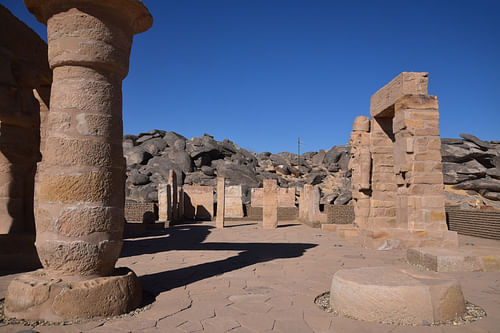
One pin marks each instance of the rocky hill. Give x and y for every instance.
(471, 167)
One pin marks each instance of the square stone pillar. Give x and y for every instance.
(270, 201)
(219, 221)
(163, 202)
(173, 193)
(418, 167)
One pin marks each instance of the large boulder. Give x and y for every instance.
(238, 174)
(154, 146)
(137, 155)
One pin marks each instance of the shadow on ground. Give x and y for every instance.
(191, 237)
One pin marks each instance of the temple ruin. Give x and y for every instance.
(396, 167)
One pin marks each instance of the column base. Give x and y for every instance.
(35, 296)
(388, 239)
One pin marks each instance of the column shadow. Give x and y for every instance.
(191, 237)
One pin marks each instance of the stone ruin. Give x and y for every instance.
(396, 167)
(79, 194)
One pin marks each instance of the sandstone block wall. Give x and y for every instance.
(397, 180)
(473, 222)
(140, 211)
(286, 197)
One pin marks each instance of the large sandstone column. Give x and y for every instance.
(79, 191)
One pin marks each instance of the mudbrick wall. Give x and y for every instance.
(479, 223)
(338, 214)
(138, 211)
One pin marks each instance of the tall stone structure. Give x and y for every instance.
(309, 212)
(80, 181)
(405, 190)
(25, 76)
(221, 202)
(270, 201)
(360, 166)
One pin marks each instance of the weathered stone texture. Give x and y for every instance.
(286, 197)
(221, 202)
(403, 84)
(233, 202)
(397, 180)
(391, 295)
(309, 212)
(270, 209)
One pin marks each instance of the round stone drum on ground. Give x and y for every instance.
(395, 295)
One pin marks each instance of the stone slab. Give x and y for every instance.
(270, 209)
(464, 259)
(394, 295)
(233, 203)
(388, 239)
(405, 83)
(286, 197)
(198, 202)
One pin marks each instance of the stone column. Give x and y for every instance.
(270, 202)
(79, 190)
(219, 221)
(360, 166)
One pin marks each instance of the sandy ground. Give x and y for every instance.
(246, 279)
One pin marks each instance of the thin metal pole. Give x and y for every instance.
(298, 152)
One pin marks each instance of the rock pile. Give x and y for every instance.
(471, 170)
(471, 167)
(200, 160)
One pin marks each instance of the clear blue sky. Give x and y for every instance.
(263, 72)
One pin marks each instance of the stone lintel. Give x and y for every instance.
(406, 83)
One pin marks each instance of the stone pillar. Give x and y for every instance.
(270, 201)
(219, 221)
(360, 166)
(420, 204)
(79, 214)
(163, 202)
(309, 212)
(172, 181)
(233, 203)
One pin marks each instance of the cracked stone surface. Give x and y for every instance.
(246, 279)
